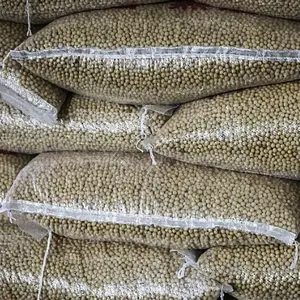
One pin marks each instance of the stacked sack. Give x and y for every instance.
(221, 172)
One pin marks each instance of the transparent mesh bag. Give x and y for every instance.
(253, 130)
(123, 197)
(282, 8)
(77, 269)
(163, 54)
(84, 124)
(45, 11)
(31, 94)
(254, 272)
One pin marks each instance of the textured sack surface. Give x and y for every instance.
(163, 54)
(254, 130)
(31, 94)
(89, 270)
(122, 197)
(255, 272)
(45, 11)
(10, 166)
(83, 124)
(282, 8)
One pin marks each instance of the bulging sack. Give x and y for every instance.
(84, 124)
(122, 197)
(283, 9)
(41, 12)
(254, 130)
(89, 270)
(34, 96)
(164, 53)
(255, 272)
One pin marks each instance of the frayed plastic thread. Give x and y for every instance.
(149, 148)
(137, 146)
(188, 262)
(29, 33)
(181, 272)
(44, 265)
(4, 60)
(222, 295)
(225, 288)
(154, 163)
(296, 256)
(143, 114)
(10, 217)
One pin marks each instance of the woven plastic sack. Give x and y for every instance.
(163, 54)
(284, 9)
(77, 269)
(255, 272)
(10, 166)
(254, 130)
(123, 197)
(45, 11)
(83, 124)
(34, 96)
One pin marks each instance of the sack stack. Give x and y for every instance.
(209, 94)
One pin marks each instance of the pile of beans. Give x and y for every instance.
(122, 197)
(84, 124)
(45, 11)
(283, 9)
(89, 270)
(254, 272)
(254, 130)
(19, 87)
(163, 54)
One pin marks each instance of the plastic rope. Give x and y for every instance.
(189, 261)
(2, 64)
(150, 149)
(222, 292)
(296, 256)
(44, 265)
(181, 271)
(29, 33)
(10, 217)
(143, 114)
